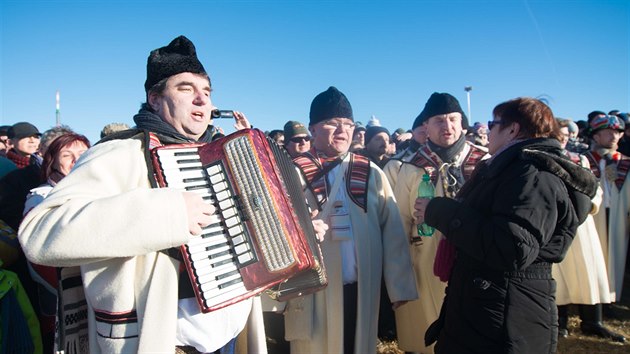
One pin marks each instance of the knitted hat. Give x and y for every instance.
(178, 57)
(440, 103)
(330, 104)
(605, 122)
(373, 130)
(399, 131)
(293, 128)
(22, 130)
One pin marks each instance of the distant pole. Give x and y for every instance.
(57, 116)
(468, 89)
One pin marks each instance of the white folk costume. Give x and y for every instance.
(314, 323)
(106, 218)
(581, 278)
(394, 165)
(413, 318)
(613, 179)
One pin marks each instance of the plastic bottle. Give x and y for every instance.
(425, 190)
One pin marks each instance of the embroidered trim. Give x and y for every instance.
(623, 166)
(116, 317)
(357, 178)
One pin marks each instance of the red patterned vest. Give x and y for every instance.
(357, 177)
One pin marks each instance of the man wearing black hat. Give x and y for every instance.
(376, 143)
(365, 239)
(611, 222)
(105, 218)
(449, 161)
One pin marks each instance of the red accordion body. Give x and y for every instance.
(265, 235)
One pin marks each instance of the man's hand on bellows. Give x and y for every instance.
(200, 214)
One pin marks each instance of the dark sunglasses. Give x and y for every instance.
(492, 123)
(299, 139)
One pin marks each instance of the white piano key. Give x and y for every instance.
(225, 204)
(214, 169)
(228, 213)
(223, 195)
(219, 177)
(244, 258)
(242, 248)
(210, 286)
(208, 269)
(208, 249)
(212, 299)
(235, 220)
(220, 186)
(235, 230)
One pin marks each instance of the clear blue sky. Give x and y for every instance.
(270, 58)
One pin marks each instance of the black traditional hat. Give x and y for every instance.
(330, 104)
(179, 56)
(440, 103)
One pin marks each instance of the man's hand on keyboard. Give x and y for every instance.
(200, 214)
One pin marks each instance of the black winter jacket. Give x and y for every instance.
(516, 216)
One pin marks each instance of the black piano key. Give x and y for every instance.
(229, 283)
(226, 275)
(218, 264)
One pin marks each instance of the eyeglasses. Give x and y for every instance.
(300, 139)
(331, 124)
(492, 123)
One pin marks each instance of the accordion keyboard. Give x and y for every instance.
(224, 247)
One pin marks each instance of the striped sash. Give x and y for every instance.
(357, 178)
(622, 162)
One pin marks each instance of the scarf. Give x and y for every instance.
(19, 160)
(448, 154)
(150, 121)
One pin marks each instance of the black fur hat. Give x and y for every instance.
(177, 57)
(330, 104)
(440, 103)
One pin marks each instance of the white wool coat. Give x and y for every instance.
(314, 323)
(581, 277)
(105, 218)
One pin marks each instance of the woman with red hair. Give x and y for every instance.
(58, 160)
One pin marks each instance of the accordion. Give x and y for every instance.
(265, 238)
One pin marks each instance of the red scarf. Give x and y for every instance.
(19, 160)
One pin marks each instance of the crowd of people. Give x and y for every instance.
(530, 216)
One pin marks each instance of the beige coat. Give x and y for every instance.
(413, 318)
(314, 323)
(105, 218)
(581, 277)
(615, 242)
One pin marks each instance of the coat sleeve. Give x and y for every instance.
(524, 212)
(397, 266)
(406, 191)
(104, 209)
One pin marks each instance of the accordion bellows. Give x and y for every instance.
(265, 238)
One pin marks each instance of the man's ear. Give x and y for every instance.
(153, 100)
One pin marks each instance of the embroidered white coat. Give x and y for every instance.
(314, 323)
(105, 218)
